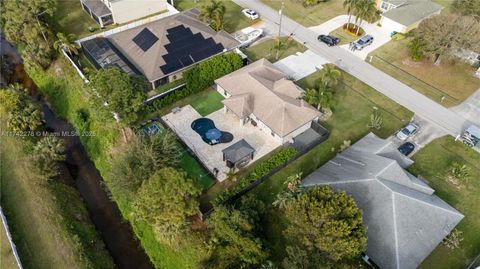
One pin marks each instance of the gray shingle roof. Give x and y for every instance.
(409, 12)
(238, 151)
(405, 220)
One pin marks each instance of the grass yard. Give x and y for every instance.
(432, 163)
(7, 260)
(208, 103)
(69, 18)
(454, 81)
(196, 171)
(309, 16)
(266, 49)
(352, 108)
(345, 37)
(234, 18)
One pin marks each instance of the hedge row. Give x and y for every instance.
(261, 169)
(200, 78)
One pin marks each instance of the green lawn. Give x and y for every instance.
(70, 18)
(345, 37)
(266, 49)
(351, 112)
(234, 18)
(455, 81)
(309, 16)
(7, 260)
(432, 163)
(208, 103)
(196, 171)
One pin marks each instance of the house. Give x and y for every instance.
(106, 12)
(160, 50)
(405, 15)
(260, 94)
(405, 220)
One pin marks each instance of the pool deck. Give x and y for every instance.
(211, 156)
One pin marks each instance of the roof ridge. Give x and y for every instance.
(429, 204)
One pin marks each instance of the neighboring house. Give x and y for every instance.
(405, 15)
(261, 94)
(405, 221)
(106, 12)
(160, 50)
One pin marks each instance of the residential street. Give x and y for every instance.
(445, 119)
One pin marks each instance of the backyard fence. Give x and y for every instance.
(414, 82)
(10, 241)
(232, 199)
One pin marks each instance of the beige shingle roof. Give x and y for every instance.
(260, 88)
(149, 62)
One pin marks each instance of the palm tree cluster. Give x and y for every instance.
(323, 95)
(363, 10)
(47, 153)
(212, 13)
(67, 43)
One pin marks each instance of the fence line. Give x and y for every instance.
(10, 241)
(170, 11)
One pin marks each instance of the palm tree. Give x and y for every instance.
(25, 119)
(66, 42)
(312, 96)
(350, 5)
(213, 14)
(330, 75)
(365, 10)
(48, 152)
(279, 46)
(293, 181)
(326, 97)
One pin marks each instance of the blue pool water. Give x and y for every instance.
(210, 134)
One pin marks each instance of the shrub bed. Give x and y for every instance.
(199, 78)
(351, 29)
(262, 169)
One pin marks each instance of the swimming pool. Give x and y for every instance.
(210, 134)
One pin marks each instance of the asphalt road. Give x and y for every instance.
(439, 116)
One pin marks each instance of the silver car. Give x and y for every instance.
(363, 42)
(407, 131)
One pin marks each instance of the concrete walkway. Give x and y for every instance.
(445, 119)
(300, 65)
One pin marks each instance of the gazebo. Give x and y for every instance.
(238, 154)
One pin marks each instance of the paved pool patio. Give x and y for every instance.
(211, 156)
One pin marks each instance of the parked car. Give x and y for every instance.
(250, 13)
(363, 42)
(406, 148)
(407, 131)
(329, 40)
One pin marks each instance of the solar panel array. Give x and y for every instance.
(186, 48)
(145, 39)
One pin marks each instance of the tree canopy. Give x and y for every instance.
(232, 239)
(23, 114)
(22, 22)
(213, 14)
(124, 93)
(165, 201)
(47, 153)
(140, 158)
(445, 34)
(325, 223)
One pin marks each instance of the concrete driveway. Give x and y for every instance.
(381, 35)
(300, 65)
(470, 108)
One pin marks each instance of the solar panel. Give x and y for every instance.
(145, 39)
(186, 48)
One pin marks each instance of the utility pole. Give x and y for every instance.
(279, 44)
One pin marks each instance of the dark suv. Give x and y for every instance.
(329, 40)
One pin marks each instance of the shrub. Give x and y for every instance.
(200, 77)
(261, 169)
(416, 48)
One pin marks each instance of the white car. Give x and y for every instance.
(407, 131)
(250, 13)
